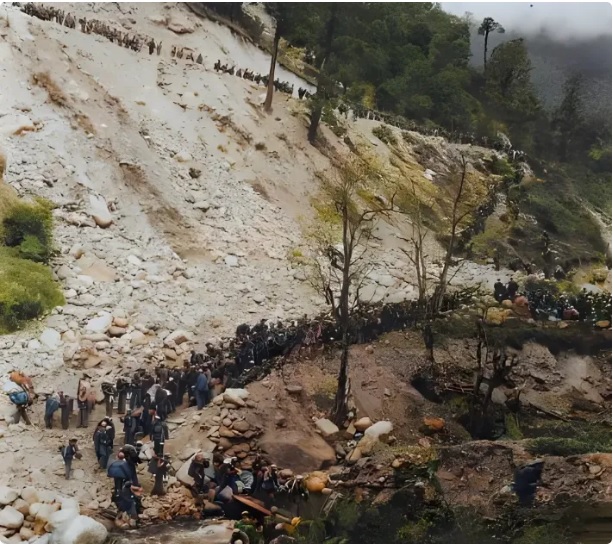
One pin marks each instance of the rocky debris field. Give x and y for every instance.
(40, 517)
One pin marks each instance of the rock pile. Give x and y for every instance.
(35, 516)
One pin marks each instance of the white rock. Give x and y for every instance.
(179, 24)
(379, 430)
(30, 495)
(183, 156)
(7, 495)
(134, 260)
(11, 518)
(231, 260)
(177, 337)
(34, 345)
(100, 211)
(50, 338)
(81, 530)
(99, 324)
(202, 205)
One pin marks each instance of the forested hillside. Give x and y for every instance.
(417, 61)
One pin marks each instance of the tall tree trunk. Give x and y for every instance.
(314, 118)
(317, 106)
(271, 72)
(339, 412)
(485, 52)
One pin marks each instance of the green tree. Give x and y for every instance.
(568, 118)
(340, 237)
(487, 27)
(510, 88)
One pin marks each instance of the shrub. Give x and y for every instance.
(564, 447)
(27, 291)
(29, 227)
(385, 134)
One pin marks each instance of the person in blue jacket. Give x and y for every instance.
(202, 390)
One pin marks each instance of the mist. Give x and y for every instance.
(561, 21)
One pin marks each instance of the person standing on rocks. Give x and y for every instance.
(82, 404)
(171, 387)
(101, 445)
(52, 404)
(120, 471)
(158, 435)
(129, 428)
(69, 452)
(202, 390)
(161, 468)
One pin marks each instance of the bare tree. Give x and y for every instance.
(341, 236)
(488, 26)
(461, 208)
(493, 368)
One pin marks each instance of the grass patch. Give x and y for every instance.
(563, 447)
(27, 291)
(513, 430)
(29, 228)
(260, 190)
(385, 134)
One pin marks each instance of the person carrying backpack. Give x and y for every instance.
(69, 452)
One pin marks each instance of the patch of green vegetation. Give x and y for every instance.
(385, 134)
(414, 533)
(328, 116)
(494, 235)
(27, 290)
(558, 211)
(501, 167)
(29, 227)
(513, 430)
(543, 534)
(564, 447)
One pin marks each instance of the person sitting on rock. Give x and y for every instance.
(128, 500)
(247, 525)
(197, 472)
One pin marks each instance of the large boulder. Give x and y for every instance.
(7, 495)
(99, 324)
(362, 424)
(326, 428)
(79, 530)
(100, 211)
(176, 338)
(50, 338)
(11, 518)
(179, 24)
(30, 495)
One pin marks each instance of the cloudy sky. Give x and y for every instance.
(560, 19)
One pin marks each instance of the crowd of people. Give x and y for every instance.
(250, 75)
(546, 304)
(136, 42)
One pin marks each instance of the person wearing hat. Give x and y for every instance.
(247, 525)
(129, 427)
(158, 434)
(102, 445)
(69, 452)
(161, 466)
(202, 390)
